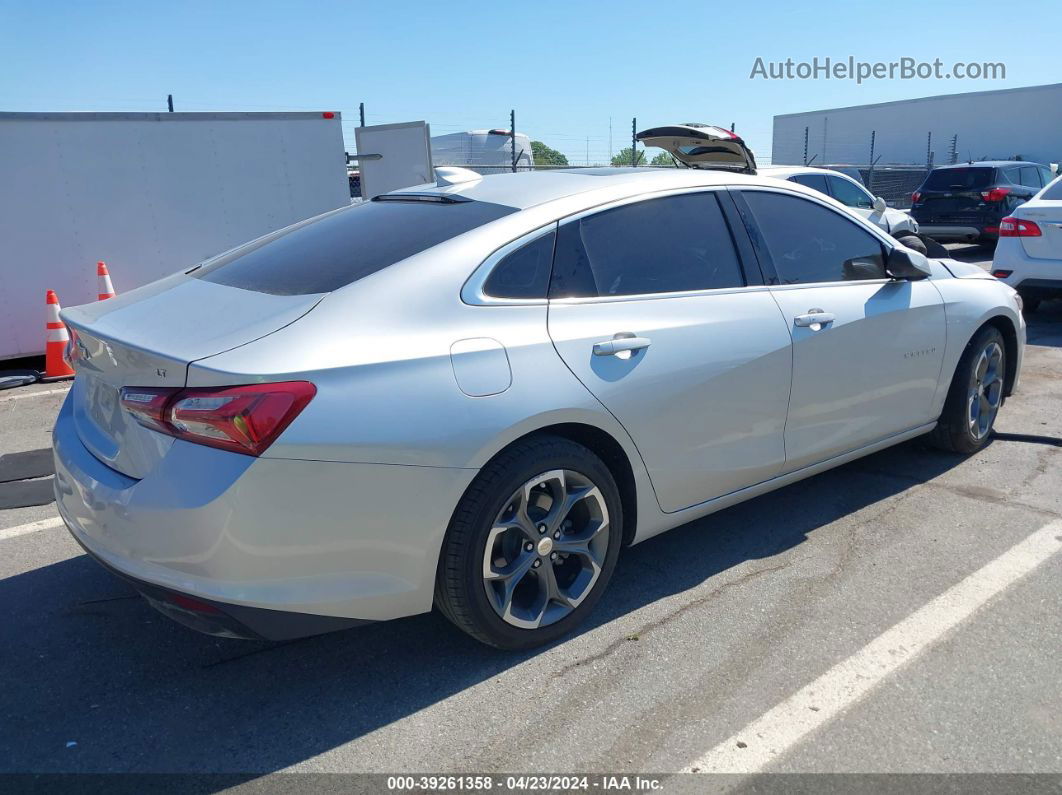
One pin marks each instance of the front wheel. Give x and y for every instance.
(532, 544)
(975, 395)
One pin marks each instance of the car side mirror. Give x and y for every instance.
(880, 205)
(902, 263)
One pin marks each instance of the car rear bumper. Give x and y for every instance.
(951, 232)
(1031, 276)
(320, 541)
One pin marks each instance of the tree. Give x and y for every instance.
(663, 159)
(544, 156)
(624, 158)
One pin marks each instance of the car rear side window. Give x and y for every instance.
(965, 178)
(813, 181)
(1054, 191)
(809, 243)
(525, 272)
(670, 244)
(1030, 177)
(340, 248)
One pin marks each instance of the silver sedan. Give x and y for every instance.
(473, 395)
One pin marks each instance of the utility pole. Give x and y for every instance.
(361, 113)
(610, 140)
(929, 150)
(634, 142)
(870, 175)
(169, 102)
(588, 150)
(512, 130)
(953, 155)
(805, 146)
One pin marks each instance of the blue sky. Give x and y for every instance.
(566, 67)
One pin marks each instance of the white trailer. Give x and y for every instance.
(148, 193)
(485, 151)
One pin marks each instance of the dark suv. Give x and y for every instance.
(967, 201)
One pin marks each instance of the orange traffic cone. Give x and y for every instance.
(56, 339)
(106, 289)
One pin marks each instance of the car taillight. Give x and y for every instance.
(241, 419)
(147, 405)
(995, 195)
(916, 197)
(1018, 227)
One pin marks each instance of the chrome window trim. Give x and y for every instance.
(657, 194)
(607, 299)
(472, 292)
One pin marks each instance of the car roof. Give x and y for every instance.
(989, 164)
(773, 171)
(525, 189)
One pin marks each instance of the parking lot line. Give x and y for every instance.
(768, 737)
(31, 527)
(42, 393)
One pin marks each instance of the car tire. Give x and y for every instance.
(488, 533)
(913, 242)
(980, 376)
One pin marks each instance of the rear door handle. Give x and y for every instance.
(621, 343)
(814, 319)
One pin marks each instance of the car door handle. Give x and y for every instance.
(814, 317)
(619, 344)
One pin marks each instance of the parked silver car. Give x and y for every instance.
(474, 395)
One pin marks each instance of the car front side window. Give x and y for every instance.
(849, 194)
(808, 243)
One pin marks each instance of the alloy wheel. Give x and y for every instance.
(545, 549)
(986, 391)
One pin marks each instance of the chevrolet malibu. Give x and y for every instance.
(472, 395)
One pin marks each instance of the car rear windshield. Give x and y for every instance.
(1054, 191)
(960, 179)
(342, 247)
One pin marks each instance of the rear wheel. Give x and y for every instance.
(975, 395)
(532, 544)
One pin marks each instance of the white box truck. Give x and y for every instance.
(485, 151)
(149, 194)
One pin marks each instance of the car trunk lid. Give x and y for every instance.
(702, 146)
(147, 338)
(948, 191)
(1047, 215)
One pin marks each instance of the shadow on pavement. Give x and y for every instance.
(85, 661)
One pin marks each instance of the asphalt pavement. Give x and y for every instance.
(900, 614)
